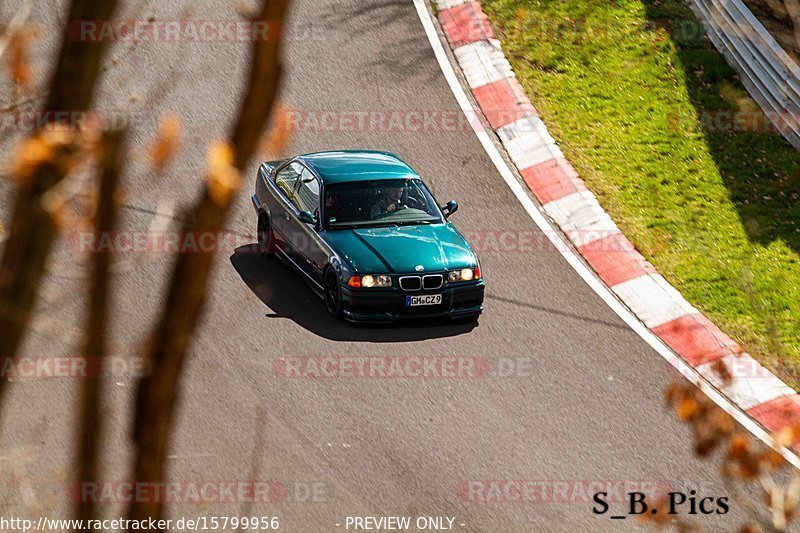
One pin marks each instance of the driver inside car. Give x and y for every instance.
(389, 202)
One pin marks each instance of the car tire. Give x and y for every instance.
(333, 294)
(266, 239)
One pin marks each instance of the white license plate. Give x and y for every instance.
(427, 299)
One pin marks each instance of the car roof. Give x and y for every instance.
(356, 165)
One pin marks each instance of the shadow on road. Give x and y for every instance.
(761, 170)
(288, 296)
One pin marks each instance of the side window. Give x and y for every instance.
(286, 179)
(306, 197)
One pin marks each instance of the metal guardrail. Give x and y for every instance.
(768, 73)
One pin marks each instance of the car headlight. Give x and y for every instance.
(370, 281)
(465, 274)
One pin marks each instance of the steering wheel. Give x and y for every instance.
(415, 203)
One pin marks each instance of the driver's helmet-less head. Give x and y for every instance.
(395, 191)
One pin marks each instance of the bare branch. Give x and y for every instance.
(262, 88)
(793, 9)
(112, 155)
(169, 344)
(32, 229)
(73, 82)
(168, 347)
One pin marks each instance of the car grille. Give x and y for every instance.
(415, 283)
(432, 281)
(411, 283)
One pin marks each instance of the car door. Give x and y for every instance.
(307, 249)
(286, 179)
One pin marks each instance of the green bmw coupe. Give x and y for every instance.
(366, 233)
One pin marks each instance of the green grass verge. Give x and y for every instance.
(626, 88)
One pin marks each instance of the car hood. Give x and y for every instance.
(402, 249)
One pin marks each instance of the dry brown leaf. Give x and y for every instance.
(43, 147)
(167, 143)
(705, 440)
(56, 203)
(223, 179)
(721, 370)
(280, 132)
(18, 61)
(722, 421)
(788, 436)
(750, 528)
(659, 515)
(739, 447)
(744, 463)
(30, 155)
(687, 408)
(673, 392)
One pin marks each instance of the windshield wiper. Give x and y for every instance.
(412, 222)
(395, 224)
(343, 226)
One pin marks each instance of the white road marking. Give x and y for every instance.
(573, 259)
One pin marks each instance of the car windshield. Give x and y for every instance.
(375, 203)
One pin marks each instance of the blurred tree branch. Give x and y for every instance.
(168, 346)
(32, 228)
(73, 82)
(259, 99)
(793, 10)
(112, 154)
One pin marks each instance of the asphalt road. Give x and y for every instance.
(574, 397)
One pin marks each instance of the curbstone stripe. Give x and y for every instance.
(528, 142)
(449, 4)
(697, 339)
(493, 99)
(615, 259)
(752, 384)
(466, 23)
(552, 180)
(653, 300)
(483, 62)
(580, 216)
(778, 414)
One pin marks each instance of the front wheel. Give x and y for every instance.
(333, 294)
(266, 239)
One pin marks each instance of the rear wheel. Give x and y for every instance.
(333, 294)
(266, 240)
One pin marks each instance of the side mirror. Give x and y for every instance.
(450, 208)
(306, 217)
